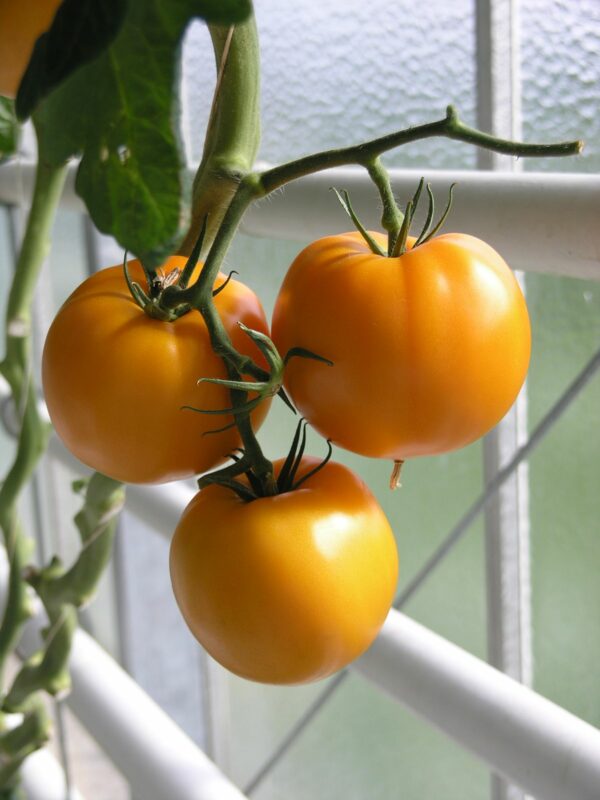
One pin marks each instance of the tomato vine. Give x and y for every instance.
(107, 101)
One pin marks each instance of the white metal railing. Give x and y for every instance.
(44, 778)
(524, 212)
(519, 734)
(528, 739)
(159, 760)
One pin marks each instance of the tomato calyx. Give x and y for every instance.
(270, 387)
(399, 247)
(398, 242)
(164, 297)
(252, 488)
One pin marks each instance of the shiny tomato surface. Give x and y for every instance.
(115, 380)
(286, 589)
(430, 349)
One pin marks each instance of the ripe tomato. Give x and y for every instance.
(286, 589)
(429, 350)
(20, 25)
(115, 380)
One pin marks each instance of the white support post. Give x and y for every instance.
(158, 759)
(520, 735)
(507, 515)
(44, 779)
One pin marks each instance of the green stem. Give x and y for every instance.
(450, 127)
(233, 133)
(15, 367)
(230, 147)
(19, 742)
(200, 296)
(63, 591)
(32, 441)
(392, 217)
(96, 522)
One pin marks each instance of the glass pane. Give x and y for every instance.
(340, 72)
(565, 504)
(561, 78)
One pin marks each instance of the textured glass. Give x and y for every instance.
(337, 73)
(561, 78)
(565, 503)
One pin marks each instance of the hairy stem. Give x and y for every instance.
(450, 127)
(392, 217)
(64, 591)
(233, 133)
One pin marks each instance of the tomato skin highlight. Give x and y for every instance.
(430, 349)
(21, 23)
(115, 380)
(286, 589)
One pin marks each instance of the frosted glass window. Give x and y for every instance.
(339, 72)
(560, 70)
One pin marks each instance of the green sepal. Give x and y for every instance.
(283, 395)
(400, 243)
(235, 410)
(283, 479)
(302, 352)
(316, 469)
(226, 477)
(265, 345)
(220, 288)
(213, 431)
(345, 203)
(429, 218)
(443, 217)
(242, 386)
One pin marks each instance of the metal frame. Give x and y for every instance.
(524, 212)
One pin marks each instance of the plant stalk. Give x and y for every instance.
(233, 132)
(16, 368)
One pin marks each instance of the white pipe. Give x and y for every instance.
(44, 779)
(529, 740)
(157, 758)
(539, 222)
(158, 506)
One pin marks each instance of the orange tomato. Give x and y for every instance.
(286, 589)
(115, 380)
(20, 25)
(430, 349)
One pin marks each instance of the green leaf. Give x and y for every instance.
(9, 129)
(121, 113)
(80, 31)
(223, 12)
